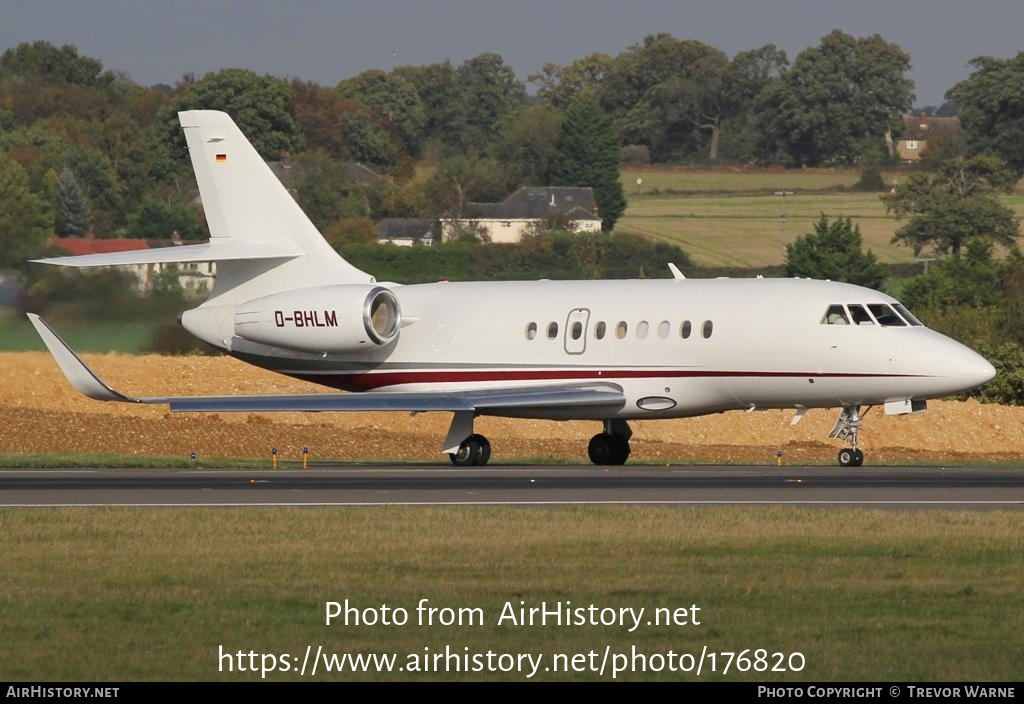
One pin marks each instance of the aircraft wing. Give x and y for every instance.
(479, 400)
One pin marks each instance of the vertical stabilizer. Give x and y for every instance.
(245, 203)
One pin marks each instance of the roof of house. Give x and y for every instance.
(535, 203)
(352, 170)
(922, 127)
(414, 228)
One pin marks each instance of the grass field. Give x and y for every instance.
(732, 217)
(18, 335)
(135, 594)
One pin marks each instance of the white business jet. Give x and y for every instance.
(608, 351)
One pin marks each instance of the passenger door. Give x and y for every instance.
(576, 331)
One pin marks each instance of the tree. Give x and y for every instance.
(700, 97)
(258, 105)
(972, 280)
(72, 206)
(587, 154)
(438, 93)
(834, 251)
(991, 102)
(159, 219)
(52, 64)
(368, 140)
(25, 219)
(747, 76)
(526, 144)
(320, 188)
(318, 110)
(644, 91)
(955, 206)
(871, 178)
(461, 179)
(348, 231)
(486, 89)
(837, 99)
(559, 85)
(392, 97)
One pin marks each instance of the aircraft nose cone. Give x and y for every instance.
(974, 369)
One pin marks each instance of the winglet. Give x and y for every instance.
(80, 376)
(676, 274)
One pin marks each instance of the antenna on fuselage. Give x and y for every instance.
(676, 274)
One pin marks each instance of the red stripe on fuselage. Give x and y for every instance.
(376, 380)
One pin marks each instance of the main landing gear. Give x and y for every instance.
(612, 446)
(846, 428)
(468, 449)
(474, 451)
(464, 447)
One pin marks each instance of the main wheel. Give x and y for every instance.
(469, 453)
(485, 448)
(606, 449)
(620, 450)
(600, 449)
(847, 457)
(858, 458)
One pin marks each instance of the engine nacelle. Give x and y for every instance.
(344, 318)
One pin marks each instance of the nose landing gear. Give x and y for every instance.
(846, 428)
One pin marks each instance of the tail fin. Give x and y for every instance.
(246, 204)
(260, 238)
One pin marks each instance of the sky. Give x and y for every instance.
(329, 40)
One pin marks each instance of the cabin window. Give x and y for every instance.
(663, 329)
(552, 331)
(577, 330)
(685, 329)
(860, 316)
(531, 331)
(707, 329)
(621, 329)
(599, 330)
(641, 329)
(835, 315)
(907, 315)
(886, 316)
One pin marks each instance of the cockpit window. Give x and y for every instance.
(835, 315)
(886, 316)
(907, 315)
(860, 316)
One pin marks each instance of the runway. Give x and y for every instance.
(381, 485)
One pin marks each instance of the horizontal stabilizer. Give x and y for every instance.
(209, 252)
(481, 400)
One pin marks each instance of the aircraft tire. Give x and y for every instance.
(846, 457)
(605, 449)
(469, 453)
(858, 458)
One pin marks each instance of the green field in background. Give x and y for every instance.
(733, 218)
(140, 594)
(127, 337)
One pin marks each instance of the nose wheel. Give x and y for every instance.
(851, 457)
